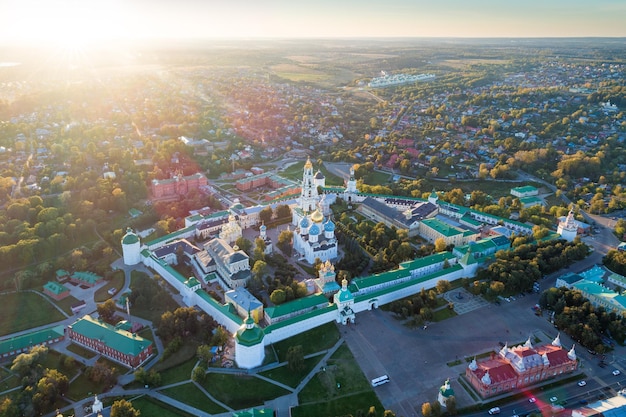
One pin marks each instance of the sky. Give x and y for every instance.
(83, 21)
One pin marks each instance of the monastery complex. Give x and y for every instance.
(254, 327)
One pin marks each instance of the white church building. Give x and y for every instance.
(314, 235)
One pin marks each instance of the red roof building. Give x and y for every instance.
(520, 366)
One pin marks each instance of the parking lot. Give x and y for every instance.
(416, 360)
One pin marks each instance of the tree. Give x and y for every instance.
(451, 405)
(283, 211)
(220, 337)
(50, 387)
(204, 353)
(123, 408)
(23, 362)
(199, 372)
(440, 244)
(295, 358)
(284, 241)
(443, 286)
(259, 269)
(278, 296)
(266, 214)
(106, 310)
(244, 244)
(427, 410)
(9, 409)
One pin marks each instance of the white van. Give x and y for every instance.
(494, 410)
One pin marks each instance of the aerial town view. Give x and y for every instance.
(359, 209)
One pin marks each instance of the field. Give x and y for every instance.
(192, 395)
(151, 407)
(13, 309)
(239, 392)
(339, 389)
(313, 341)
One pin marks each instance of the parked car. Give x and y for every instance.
(532, 400)
(616, 372)
(494, 410)
(582, 383)
(553, 399)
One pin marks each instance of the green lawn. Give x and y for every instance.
(347, 405)
(25, 310)
(341, 368)
(192, 395)
(315, 340)
(239, 391)
(81, 351)
(186, 353)
(179, 373)
(149, 406)
(377, 178)
(443, 314)
(292, 378)
(340, 389)
(82, 388)
(117, 282)
(67, 303)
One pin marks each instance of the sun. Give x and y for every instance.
(67, 24)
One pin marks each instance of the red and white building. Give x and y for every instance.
(520, 366)
(116, 344)
(173, 188)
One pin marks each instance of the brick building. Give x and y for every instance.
(172, 188)
(116, 344)
(520, 366)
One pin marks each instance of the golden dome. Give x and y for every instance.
(308, 163)
(317, 217)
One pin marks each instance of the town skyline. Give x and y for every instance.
(72, 24)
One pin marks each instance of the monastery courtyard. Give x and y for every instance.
(416, 359)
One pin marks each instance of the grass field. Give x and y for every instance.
(13, 307)
(339, 389)
(178, 373)
(292, 378)
(151, 407)
(377, 178)
(192, 395)
(81, 351)
(82, 387)
(239, 391)
(117, 282)
(67, 303)
(315, 340)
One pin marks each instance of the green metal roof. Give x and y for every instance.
(297, 305)
(249, 336)
(442, 228)
(525, 189)
(467, 218)
(120, 340)
(87, 277)
(409, 283)
(254, 412)
(55, 287)
(300, 317)
(531, 200)
(225, 309)
(171, 236)
(30, 339)
(130, 238)
(426, 260)
(359, 284)
(60, 273)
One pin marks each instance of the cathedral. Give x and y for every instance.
(314, 235)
